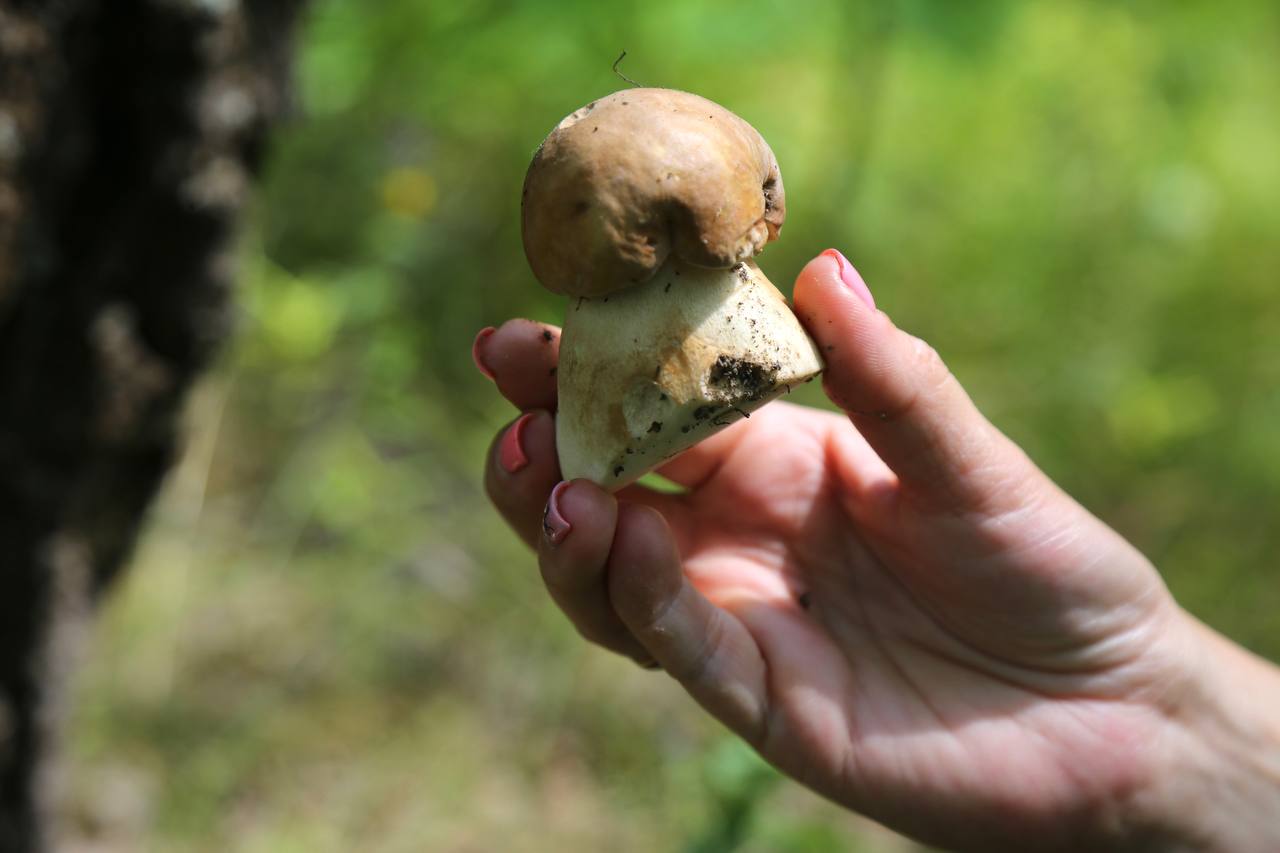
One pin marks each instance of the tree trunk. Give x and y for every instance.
(129, 131)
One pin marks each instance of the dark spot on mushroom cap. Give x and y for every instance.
(656, 426)
(617, 471)
(770, 186)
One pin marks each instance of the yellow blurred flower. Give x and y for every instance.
(408, 193)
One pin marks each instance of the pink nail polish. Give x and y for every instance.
(851, 279)
(477, 350)
(511, 455)
(555, 525)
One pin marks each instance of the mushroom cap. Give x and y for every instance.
(644, 174)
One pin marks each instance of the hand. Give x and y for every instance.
(901, 612)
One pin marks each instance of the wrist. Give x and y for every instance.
(1218, 782)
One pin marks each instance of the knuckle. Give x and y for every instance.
(699, 667)
(927, 359)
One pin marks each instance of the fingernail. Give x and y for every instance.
(555, 525)
(511, 453)
(851, 279)
(477, 350)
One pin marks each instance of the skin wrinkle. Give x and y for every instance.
(771, 722)
(711, 643)
(717, 654)
(990, 656)
(873, 633)
(926, 608)
(960, 663)
(1051, 750)
(976, 562)
(1126, 787)
(1016, 674)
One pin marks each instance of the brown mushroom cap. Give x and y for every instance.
(641, 174)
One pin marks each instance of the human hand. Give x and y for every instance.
(902, 613)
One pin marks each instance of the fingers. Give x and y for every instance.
(520, 357)
(901, 396)
(708, 650)
(521, 470)
(573, 551)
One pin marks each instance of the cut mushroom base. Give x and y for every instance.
(650, 371)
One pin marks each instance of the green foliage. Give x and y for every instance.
(330, 642)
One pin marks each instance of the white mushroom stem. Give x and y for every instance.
(650, 371)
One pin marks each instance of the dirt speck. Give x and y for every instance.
(740, 378)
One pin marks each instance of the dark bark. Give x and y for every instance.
(129, 132)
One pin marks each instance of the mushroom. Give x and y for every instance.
(646, 208)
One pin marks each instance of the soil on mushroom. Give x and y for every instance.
(737, 378)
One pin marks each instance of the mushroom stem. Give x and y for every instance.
(649, 371)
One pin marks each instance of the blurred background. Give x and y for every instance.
(328, 641)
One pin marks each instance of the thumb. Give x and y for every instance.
(902, 398)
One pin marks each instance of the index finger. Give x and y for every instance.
(521, 357)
